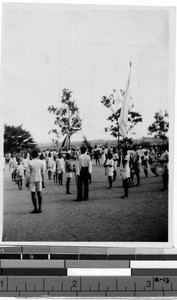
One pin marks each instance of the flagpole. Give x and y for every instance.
(118, 137)
(69, 129)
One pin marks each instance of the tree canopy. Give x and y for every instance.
(16, 139)
(160, 126)
(114, 103)
(67, 119)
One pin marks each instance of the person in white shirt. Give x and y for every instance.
(165, 160)
(145, 161)
(49, 165)
(43, 175)
(125, 171)
(54, 169)
(12, 164)
(60, 168)
(136, 164)
(109, 169)
(115, 159)
(25, 163)
(83, 170)
(20, 173)
(36, 171)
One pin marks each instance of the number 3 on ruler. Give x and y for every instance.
(148, 283)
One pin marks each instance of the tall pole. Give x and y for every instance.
(118, 137)
(69, 139)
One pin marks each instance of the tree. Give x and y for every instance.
(67, 119)
(160, 126)
(86, 143)
(114, 103)
(17, 139)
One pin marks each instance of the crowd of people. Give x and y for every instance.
(31, 169)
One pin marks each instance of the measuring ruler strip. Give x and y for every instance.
(89, 286)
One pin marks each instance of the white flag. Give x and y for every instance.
(123, 120)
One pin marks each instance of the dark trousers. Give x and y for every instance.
(165, 179)
(125, 186)
(110, 181)
(83, 183)
(68, 184)
(137, 173)
(34, 201)
(114, 175)
(60, 178)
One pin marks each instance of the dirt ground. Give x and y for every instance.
(142, 217)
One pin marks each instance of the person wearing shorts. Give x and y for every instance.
(36, 172)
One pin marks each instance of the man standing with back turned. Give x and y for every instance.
(36, 170)
(83, 171)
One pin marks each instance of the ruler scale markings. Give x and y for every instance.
(94, 288)
(53, 283)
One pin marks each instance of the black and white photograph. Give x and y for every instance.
(88, 107)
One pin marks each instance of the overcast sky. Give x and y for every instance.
(87, 49)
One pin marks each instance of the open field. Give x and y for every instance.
(143, 217)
